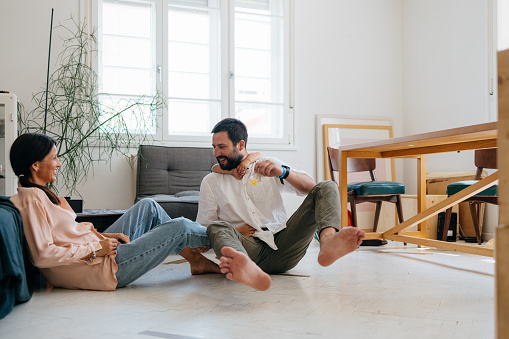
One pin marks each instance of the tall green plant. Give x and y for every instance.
(88, 126)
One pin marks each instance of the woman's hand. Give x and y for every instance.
(121, 237)
(246, 230)
(108, 246)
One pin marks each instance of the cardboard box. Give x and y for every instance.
(409, 203)
(388, 216)
(436, 183)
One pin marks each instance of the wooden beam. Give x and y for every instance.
(472, 249)
(502, 280)
(502, 234)
(380, 235)
(442, 148)
(421, 191)
(343, 183)
(363, 154)
(486, 131)
(374, 235)
(449, 202)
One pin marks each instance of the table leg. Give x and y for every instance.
(343, 185)
(421, 191)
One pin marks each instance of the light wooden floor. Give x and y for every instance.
(376, 292)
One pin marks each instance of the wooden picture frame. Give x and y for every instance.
(364, 133)
(323, 119)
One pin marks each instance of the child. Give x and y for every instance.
(240, 171)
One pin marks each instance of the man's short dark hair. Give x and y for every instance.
(236, 129)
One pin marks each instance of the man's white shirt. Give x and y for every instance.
(254, 200)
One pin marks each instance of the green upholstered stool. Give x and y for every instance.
(484, 158)
(461, 185)
(376, 188)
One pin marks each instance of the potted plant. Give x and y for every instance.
(87, 125)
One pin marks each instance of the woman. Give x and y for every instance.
(74, 255)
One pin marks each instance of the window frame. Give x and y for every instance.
(227, 99)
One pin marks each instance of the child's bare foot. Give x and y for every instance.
(199, 263)
(334, 245)
(204, 266)
(240, 268)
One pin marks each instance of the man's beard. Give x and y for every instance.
(231, 162)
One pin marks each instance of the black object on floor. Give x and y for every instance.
(471, 239)
(451, 233)
(374, 242)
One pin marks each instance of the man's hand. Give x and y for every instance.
(246, 230)
(268, 169)
(300, 181)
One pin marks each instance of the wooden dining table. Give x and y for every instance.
(418, 146)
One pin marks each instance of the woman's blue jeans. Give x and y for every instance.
(154, 236)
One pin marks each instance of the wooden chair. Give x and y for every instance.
(370, 191)
(484, 158)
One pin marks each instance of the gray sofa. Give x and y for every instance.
(172, 177)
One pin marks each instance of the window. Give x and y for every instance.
(211, 59)
(259, 66)
(503, 25)
(127, 60)
(194, 67)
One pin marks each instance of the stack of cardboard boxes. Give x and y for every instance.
(436, 183)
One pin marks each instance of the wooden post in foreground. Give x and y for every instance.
(502, 234)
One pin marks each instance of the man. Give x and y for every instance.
(246, 220)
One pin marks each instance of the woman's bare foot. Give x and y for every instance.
(334, 245)
(240, 268)
(199, 263)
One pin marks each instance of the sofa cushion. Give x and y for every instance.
(172, 177)
(170, 170)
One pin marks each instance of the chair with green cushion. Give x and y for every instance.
(370, 191)
(484, 158)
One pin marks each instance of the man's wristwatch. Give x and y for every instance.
(286, 172)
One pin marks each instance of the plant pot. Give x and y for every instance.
(76, 204)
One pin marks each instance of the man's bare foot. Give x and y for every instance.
(199, 263)
(240, 268)
(334, 245)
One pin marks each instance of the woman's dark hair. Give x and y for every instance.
(236, 129)
(25, 151)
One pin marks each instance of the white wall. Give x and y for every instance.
(445, 77)
(24, 37)
(347, 62)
